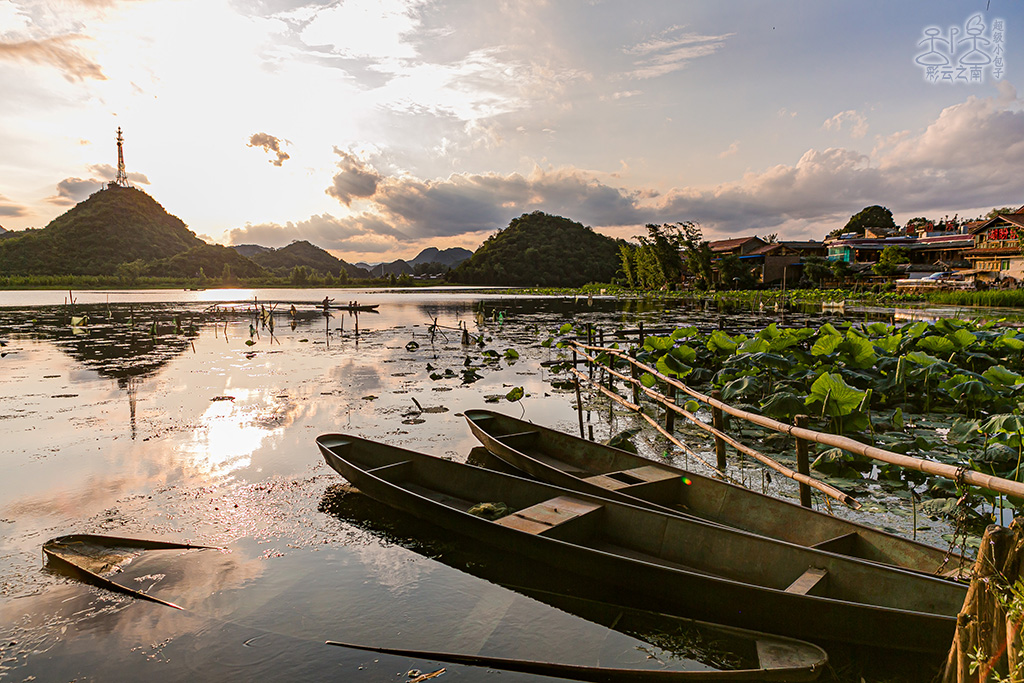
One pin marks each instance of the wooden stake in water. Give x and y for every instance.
(802, 464)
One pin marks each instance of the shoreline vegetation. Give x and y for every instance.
(767, 298)
(747, 297)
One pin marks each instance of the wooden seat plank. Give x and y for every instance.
(811, 582)
(543, 516)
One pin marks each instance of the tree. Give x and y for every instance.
(817, 269)
(995, 212)
(735, 274)
(697, 254)
(890, 258)
(300, 276)
(841, 270)
(628, 258)
(919, 223)
(771, 238)
(663, 243)
(869, 217)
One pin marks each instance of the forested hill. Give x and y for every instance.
(541, 249)
(302, 253)
(115, 225)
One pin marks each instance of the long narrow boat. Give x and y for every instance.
(588, 467)
(94, 559)
(660, 562)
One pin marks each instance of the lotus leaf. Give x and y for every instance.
(744, 387)
(659, 343)
(753, 345)
(935, 344)
(720, 341)
(826, 344)
(962, 338)
(836, 396)
(783, 405)
(1000, 375)
(1007, 424)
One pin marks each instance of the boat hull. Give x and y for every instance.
(663, 563)
(564, 460)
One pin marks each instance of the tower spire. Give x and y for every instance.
(122, 177)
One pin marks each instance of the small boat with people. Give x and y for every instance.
(660, 562)
(565, 460)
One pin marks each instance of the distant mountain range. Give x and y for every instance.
(123, 231)
(447, 257)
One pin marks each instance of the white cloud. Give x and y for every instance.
(672, 50)
(851, 120)
(731, 151)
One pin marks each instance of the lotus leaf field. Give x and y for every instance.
(951, 391)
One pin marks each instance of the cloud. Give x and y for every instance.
(324, 230)
(108, 173)
(731, 151)
(672, 50)
(270, 144)
(855, 122)
(58, 51)
(7, 208)
(355, 180)
(968, 157)
(70, 191)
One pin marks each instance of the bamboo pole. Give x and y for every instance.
(654, 423)
(829, 491)
(939, 469)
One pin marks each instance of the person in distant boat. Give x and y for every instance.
(327, 303)
(293, 312)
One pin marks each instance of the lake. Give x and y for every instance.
(177, 415)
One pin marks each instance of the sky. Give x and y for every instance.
(377, 128)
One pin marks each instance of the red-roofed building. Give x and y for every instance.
(738, 246)
(997, 245)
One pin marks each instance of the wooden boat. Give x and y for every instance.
(581, 465)
(660, 562)
(92, 558)
(361, 308)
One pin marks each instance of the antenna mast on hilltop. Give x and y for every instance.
(122, 177)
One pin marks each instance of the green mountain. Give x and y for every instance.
(210, 259)
(541, 249)
(302, 253)
(114, 226)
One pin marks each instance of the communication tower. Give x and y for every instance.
(122, 177)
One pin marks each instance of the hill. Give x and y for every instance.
(250, 250)
(208, 259)
(302, 253)
(538, 249)
(448, 257)
(113, 226)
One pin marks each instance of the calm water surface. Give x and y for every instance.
(159, 419)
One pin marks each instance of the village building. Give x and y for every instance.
(770, 262)
(996, 253)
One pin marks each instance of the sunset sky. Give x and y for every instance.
(375, 128)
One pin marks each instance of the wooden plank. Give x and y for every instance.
(811, 582)
(649, 473)
(840, 544)
(550, 513)
(606, 482)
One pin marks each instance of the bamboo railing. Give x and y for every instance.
(958, 474)
(669, 404)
